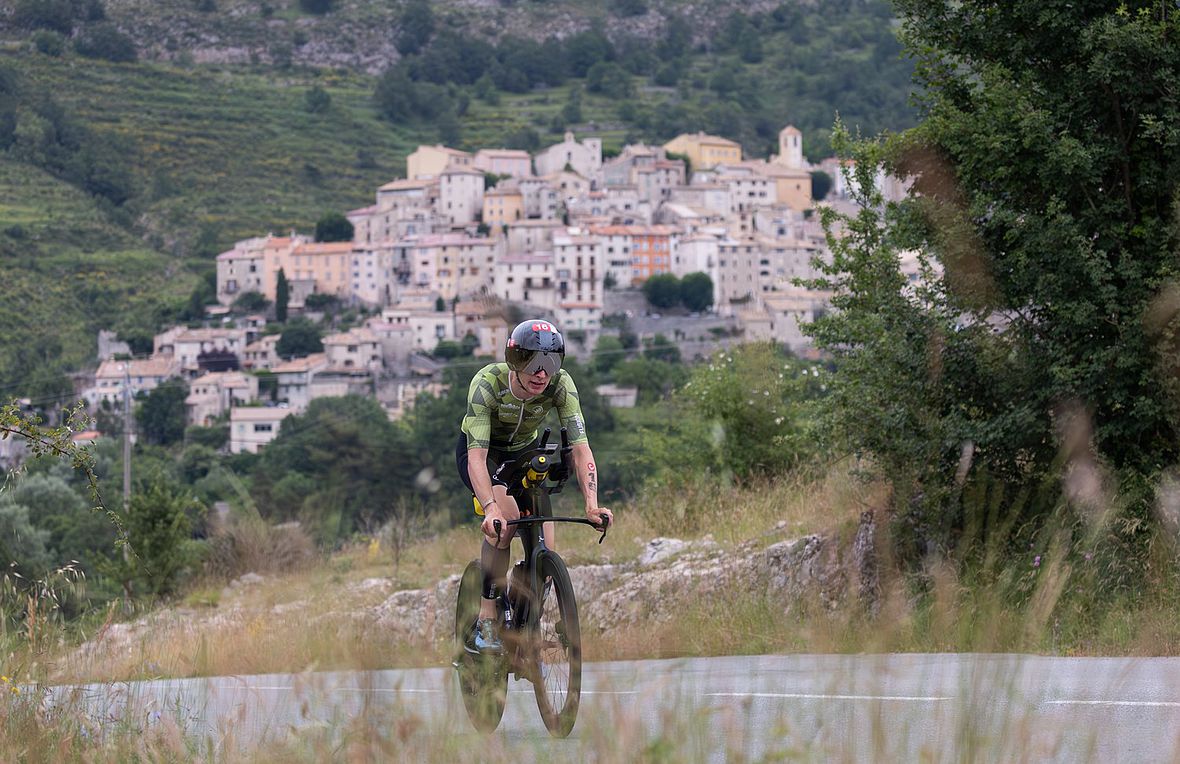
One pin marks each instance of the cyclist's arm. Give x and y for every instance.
(477, 471)
(587, 476)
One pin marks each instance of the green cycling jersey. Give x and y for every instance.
(497, 419)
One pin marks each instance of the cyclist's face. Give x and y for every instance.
(536, 383)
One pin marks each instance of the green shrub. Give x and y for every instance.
(48, 42)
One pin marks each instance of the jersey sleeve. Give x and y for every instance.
(477, 422)
(569, 409)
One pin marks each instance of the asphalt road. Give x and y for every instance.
(794, 707)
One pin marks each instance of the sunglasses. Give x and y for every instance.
(550, 363)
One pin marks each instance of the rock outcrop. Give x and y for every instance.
(812, 571)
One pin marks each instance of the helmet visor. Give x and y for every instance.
(539, 361)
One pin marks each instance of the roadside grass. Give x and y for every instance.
(301, 620)
(292, 623)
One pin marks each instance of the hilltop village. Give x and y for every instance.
(566, 233)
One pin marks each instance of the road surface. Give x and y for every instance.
(938, 707)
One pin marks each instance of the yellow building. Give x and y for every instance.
(327, 265)
(793, 185)
(705, 151)
(502, 206)
(430, 161)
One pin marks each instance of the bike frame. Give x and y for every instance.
(532, 497)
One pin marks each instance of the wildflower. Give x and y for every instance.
(1037, 561)
(1089, 556)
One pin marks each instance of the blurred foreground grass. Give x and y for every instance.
(292, 624)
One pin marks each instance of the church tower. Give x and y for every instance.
(790, 147)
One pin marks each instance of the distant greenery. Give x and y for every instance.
(112, 204)
(333, 227)
(665, 290)
(758, 73)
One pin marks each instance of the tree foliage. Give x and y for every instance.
(662, 290)
(300, 338)
(755, 399)
(161, 416)
(1045, 183)
(159, 526)
(334, 227)
(282, 296)
(696, 291)
(337, 467)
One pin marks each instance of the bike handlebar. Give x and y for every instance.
(603, 523)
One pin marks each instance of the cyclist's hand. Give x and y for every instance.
(598, 515)
(492, 514)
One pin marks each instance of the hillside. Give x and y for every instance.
(177, 127)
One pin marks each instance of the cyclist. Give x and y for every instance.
(506, 404)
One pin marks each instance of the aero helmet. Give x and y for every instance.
(535, 345)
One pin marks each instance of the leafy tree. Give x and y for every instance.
(821, 184)
(662, 290)
(71, 531)
(23, 546)
(249, 302)
(610, 79)
(523, 138)
(159, 531)
(334, 227)
(755, 395)
(654, 379)
(394, 95)
(417, 25)
(300, 338)
(215, 436)
(571, 113)
(677, 38)
(696, 291)
(338, 467)
(1045, 186)
(161, 416)
(608, 353)
(586, 49)
(49, 42)
(282, 296)
(448, 349)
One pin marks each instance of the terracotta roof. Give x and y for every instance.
(295, 365)
(324, 248)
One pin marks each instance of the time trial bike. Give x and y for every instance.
(537, 613)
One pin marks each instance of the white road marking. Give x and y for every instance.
(810, 696)
(1148, 703)
(594, 692)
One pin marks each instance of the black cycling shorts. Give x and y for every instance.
(496, 457)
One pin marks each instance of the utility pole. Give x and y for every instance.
(126, 436)
(126, 447)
